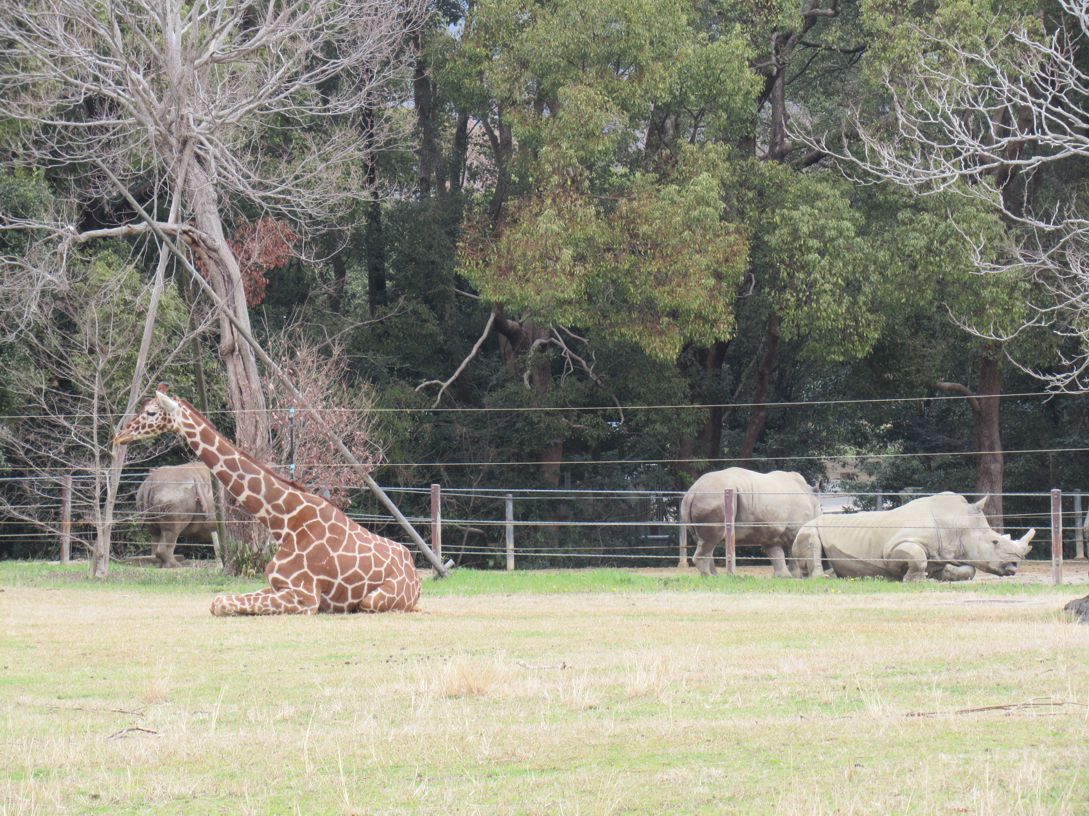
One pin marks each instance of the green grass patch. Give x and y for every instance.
(550, 582)
(198, 577)
(208, 577)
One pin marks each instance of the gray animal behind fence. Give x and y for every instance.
(175, 501)
(771, 507)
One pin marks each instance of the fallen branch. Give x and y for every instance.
(132, 729)
(1001, 707)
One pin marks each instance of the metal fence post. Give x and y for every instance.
(729, 501)
(682, 546)
(1079, 532)
(66, 519)
(1056, 536)
(436, 520)
(510, 531)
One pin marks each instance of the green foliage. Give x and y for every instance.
(657, 267)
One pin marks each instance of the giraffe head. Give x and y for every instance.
(160, 414)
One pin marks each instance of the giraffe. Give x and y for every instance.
(325, 561)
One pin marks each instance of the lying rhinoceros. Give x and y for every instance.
(770, 509)
(940, 536)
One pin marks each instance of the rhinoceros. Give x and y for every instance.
(175, 501)
(943, 537)
(770, 509)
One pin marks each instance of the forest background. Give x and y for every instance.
(576, 244)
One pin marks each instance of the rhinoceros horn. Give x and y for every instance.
(1023, 544)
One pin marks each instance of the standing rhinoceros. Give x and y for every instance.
(941, 536)
(770, 509)
(176, 501)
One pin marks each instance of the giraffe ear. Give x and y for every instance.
(169, 405)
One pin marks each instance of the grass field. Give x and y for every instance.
(582, 692)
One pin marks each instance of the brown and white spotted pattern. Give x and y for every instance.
(325, 562)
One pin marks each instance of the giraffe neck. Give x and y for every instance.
(262, 492)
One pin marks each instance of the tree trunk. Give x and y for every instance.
(423, 97)
(986, 431)
(340, 281)
(710, 444)
(459, 153)
(518, 339)
(100, 552)
(707, 443)
(376, 258)
(245, 395)
(374, 240)
(244, 392)
(990, 464)
(502, 143)
(759, 417)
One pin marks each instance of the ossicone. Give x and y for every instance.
(163, 388)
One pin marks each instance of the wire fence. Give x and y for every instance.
(489, 527)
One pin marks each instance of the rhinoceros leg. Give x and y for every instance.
(164, 549)
(912, 556)
(779, 563)
(957, 572)
(705, 557)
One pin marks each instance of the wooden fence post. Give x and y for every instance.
(510, 531)
(1079, 532)
(1056, 536)
(729, 500)
(682, 547)
(436, 520)
(217, 548)
(66, 519)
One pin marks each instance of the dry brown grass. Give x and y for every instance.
(538, 704)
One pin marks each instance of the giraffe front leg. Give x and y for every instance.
(268, 601)
(388, 596)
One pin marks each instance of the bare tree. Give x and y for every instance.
(320, 372)
(1001, 117)
(228, 103)
(74, 375)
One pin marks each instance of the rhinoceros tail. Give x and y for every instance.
(686, 514)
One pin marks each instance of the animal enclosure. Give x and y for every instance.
(540, 528)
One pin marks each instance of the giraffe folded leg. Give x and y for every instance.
(268, 601)
(387, 596)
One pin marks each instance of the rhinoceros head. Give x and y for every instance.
(984, 548)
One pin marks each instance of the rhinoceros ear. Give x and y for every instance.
(979, 504)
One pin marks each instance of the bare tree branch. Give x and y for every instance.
(444, 384)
